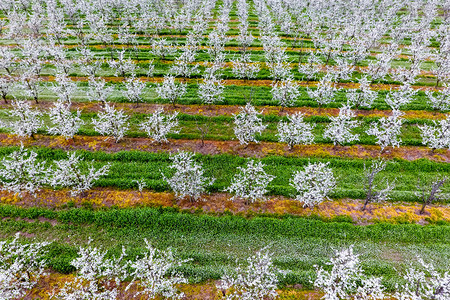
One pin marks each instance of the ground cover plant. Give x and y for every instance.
(224, 149)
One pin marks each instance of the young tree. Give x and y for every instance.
(133, 90)
(427, 283)
(111, 122)
(439, 101)
(154, 275)
(436, 136)
(64, 87)
(313, 184)
(247, 124)
(257, 280)
(346, 279)
(20, 172)
(250, 183)
(158, 125)
(211, 90)
(243, 67)
(28, 121)
(74, 174)
(285, 92)
(65, 122)
(325, 91)
(122, 66)
(97, 277)
(427, 194)
(311, 68)
(340, 128)
(6, 86)
(98, 91)
(162, 48)
(188, 179)
(171, 90)
(21, 267)
(400, 97)
(295, 131)
(388, 129)
(364, 97)
(372, 190)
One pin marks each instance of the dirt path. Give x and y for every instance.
(218, 203)
(262, 149)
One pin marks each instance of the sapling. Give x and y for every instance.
(65, 123)
(247, 124)
(188, 179)
(313, 184)
(158, 125)
(371, 188)
(341, 127)
(73, 173)
(346, 279)
(21, 172)
(436, 136)
(111, 122)
(295, 131)
(429, 194)
(387, 130)
(251, 182)
(171, 90)
(257, 280)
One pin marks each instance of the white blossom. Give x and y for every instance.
(340, 128)
(28, 121)
(250, 183)
(133, 89)
(188, 179)
(20, 172)
(363, 96)
(21, 267)
(257, 280)
(247, 124)
(158, 125)
(285, 92)
(441, 100)
(171, 90)
(436, 136)
(427, 283)
(111, 122)
(211, 90)
(387, 130)
(153, 272)
(325, 91)
(346, 279)
(313, 184)
(244, 68)
(74, 174)
(97, 277)
(65, 122)
(295, 131)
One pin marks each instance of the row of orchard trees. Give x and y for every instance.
(312, 185)
(329, 46)
(152, 274)
(247, 124)
(21, 172)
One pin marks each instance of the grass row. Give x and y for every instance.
(127, 166)
(222, 128)
(385, 249)
(233, 95)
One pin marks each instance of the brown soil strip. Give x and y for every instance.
(262, 149)
(219, 203)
